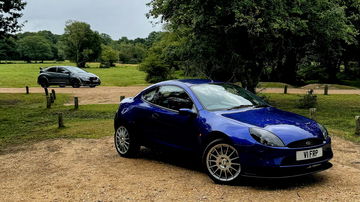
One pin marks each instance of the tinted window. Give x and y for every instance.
(225, 96)
(61, 70)
(171, 97)
(149, 96)
(52, 69)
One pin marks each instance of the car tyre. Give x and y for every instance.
(126, 143)
(44, 82)
(221, 162)
(75, 83)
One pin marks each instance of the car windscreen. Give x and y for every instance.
(225, 96)
(76, 70)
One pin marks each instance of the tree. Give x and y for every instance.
(233, 40)
(155, 68)
(152, 37)
(81, 43)
(131, 53)
(10, 12)
(108, 56)
(8, 49)
(106, 39)
(34, 48)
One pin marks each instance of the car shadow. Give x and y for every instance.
(193, 162)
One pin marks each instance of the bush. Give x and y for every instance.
(156, 69)
(108, 57)
(307, 101)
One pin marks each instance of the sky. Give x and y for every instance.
(117, 18)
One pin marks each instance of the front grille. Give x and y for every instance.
(93, 78)
(306, 143)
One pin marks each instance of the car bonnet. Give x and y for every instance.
(288, 126)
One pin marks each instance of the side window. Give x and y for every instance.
(60, 70)
(149, 96)
(52, 69)
(172, 97)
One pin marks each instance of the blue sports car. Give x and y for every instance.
(234, 131)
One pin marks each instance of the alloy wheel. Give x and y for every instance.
(122, 140)
(222, 162)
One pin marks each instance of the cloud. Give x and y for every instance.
(114, 17)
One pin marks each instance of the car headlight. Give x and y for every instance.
(84, 78)
(323, 131)
(266, 138)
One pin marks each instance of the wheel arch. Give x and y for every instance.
(42, 77)
(213, 136)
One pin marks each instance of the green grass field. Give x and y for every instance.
(20, 74)
(25, 119)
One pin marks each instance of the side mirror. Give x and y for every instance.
(67, 72)
(186, 111)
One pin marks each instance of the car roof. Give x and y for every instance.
(188, 82)
(61, 66)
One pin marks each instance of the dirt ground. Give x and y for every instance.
(111, 94)
(91, 170)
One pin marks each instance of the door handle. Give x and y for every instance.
(155, 116)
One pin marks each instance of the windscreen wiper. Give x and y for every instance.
(240, 106)
(261, 106)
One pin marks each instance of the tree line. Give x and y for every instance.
(248, 41)
(79, 43)
(229, 40)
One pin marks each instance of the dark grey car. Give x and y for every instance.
(67, 75)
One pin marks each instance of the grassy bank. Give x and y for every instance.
(336, 112)
(20, 75)
(25, 119)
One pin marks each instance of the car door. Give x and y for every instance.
(169, 127)
(52, 74)
(62, 75)
(144, 118)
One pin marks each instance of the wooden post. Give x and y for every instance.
(27, 89)
(122, 97)
(46, 92)
(53, 93)
(285, 89)
(76, 102)
(357, 122)
(51, 98)
(48, 102)
(326, 89)
(312, 113)
(61, 120)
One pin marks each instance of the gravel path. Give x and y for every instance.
(111, 94)
(91, 170)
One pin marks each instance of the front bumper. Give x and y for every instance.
(287, 172)
(270, 162)
(90, 82)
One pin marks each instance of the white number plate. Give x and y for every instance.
(309, 154)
